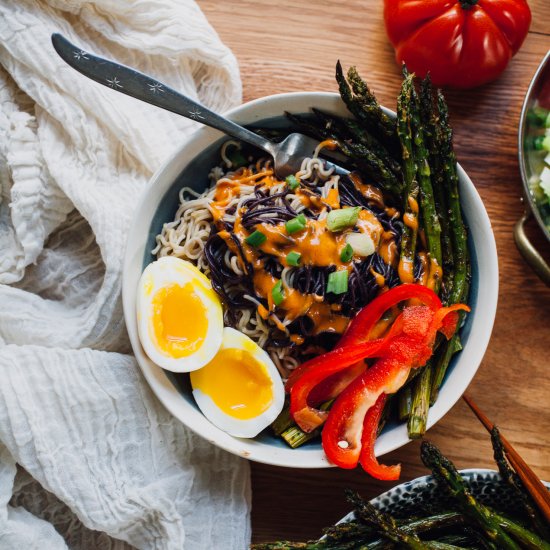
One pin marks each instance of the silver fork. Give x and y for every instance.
(287, 155)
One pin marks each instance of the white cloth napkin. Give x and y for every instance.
(101, 461)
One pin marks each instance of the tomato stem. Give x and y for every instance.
(468, 4)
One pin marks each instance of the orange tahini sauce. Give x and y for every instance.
(430, 271)
(315, 243)
(406, 270)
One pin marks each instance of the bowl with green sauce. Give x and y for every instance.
(534, 163)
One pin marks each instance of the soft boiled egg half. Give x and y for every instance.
(180, 318)
(240, 390)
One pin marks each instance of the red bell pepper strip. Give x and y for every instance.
(351, 424)
(360, 327)
(332, 386)
(342, 433)
(359, 331)
(367, 458)
(320, 368)
(307, 417)
(343, 428)
(448, 325)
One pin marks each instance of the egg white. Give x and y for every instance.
(165, 272)
(233, 339)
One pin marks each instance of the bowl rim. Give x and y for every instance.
(467, 474)
(163, 388)
(530, 97)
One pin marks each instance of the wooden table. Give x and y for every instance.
(285, 46)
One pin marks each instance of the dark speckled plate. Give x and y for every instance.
(422, 495)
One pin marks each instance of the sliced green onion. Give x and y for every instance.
(293, 258)
(362, 243)
(277, 293)
(340, 219)
(237, 159)
(338, 282)
(537, 116)
(296, 224)
(347, 253)
(256, 239)
(541, 143)
(292, 181)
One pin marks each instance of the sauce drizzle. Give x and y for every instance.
(316, 244)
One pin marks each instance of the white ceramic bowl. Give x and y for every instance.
(190, 164)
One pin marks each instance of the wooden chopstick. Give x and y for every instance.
(532, 483)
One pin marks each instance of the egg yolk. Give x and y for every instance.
(179, 320)
(238, 384)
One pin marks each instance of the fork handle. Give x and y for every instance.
(140, 86)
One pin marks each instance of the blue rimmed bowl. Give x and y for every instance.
(189, 167)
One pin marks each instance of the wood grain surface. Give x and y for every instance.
(285, 46)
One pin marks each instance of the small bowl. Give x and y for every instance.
(189, 166)
(422, 494)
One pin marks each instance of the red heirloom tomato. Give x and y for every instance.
(461, 43)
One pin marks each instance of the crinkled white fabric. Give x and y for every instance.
(101, 463)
